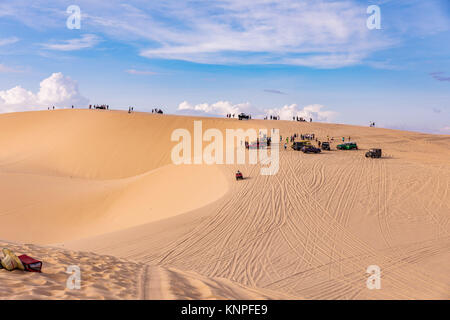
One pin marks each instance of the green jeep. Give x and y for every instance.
(347, 146)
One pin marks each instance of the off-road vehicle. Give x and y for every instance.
(373, 153)
(347, 146)
(298, 145)
(243, 116)
(325, 146)
(310, 149)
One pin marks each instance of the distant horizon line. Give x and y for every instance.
(218, 117)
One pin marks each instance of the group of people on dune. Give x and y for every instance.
(272, 117)
(106, 107)
(103, 106)
(91, 106)
(307, 136)
(260, 143)
(301, 119)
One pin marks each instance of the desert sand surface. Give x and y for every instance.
(97, 188)
(107, 277)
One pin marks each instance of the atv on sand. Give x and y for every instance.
(373, 153)
(239, 176)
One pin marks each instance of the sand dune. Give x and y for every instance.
(111, 186)
(52, 209)
(102, 182)
(108, 277)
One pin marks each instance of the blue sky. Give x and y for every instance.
(311, 58)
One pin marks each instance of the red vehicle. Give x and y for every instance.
(257, 145)
(239, 176)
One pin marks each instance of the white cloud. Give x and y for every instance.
(59, 90)
(86, 41)
(17, 97)
(314, 111)
(308, 33)
(141, 72)
(6, 41)
(5, 69)
(56, 90)
(326, 34)
(328, 61)
(320, 33)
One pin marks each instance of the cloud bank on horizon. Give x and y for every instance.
(287, 112)
(56, 90)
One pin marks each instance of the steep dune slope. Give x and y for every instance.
(69, 174)
(50, 209)
(92, 144)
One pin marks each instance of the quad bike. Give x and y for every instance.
(239, 176)
(373, 153)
